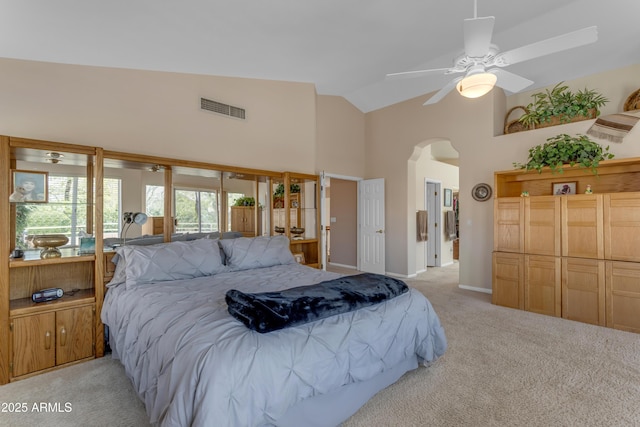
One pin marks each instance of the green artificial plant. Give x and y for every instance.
(244, 201)
(279, 191)
(560, 102)
(565, 149)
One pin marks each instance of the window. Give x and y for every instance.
(112, 211)
(66, 210)
(196, 211)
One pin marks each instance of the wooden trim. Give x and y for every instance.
(168, 208)
(5, 242)
(141, 158)
(50, 145)
(98, 174)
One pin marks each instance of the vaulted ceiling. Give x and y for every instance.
(344, 47)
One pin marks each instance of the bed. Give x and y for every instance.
(192, 363)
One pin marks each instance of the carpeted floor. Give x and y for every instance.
(503, 367)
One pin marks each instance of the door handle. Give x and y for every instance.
(63, 337)
(47, 340)
(380, 231)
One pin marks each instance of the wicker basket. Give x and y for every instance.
(514, 125)
(633, 101)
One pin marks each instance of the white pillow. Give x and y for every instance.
(171, 261)
(245, 253)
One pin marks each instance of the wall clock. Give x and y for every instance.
(481, 192)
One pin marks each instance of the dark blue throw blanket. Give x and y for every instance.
(270, 311)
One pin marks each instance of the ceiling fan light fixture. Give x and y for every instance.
(476, 85)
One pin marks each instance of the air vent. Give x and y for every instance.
(220, 108)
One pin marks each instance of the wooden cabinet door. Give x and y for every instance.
(542, 225)
(582, 226)
(34, 346)
(508, 228)
(542, 285)
(74, 334)
(249, 221)
(237, 218)
(508, 280)
(622, 226)
(583, 290)
(623, 295)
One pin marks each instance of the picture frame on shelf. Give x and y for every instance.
(448, 197)
(29, 186)
(299, 257)
(564, 188)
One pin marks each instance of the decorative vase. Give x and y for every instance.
(50, 243)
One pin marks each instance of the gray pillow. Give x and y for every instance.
(171, 261)
(245, 253)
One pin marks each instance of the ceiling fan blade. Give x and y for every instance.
(412, 74)
(548, 46)
(443, 92)
(477, 36)
(509, 81)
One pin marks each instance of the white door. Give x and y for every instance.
(323, 226)
(371, 225)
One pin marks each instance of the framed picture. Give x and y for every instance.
(448, 197)
(560, 188)
(299, 257)
(29, 186)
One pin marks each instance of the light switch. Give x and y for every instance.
(333, 219)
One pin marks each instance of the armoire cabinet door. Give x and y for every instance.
(542, 225)
(583, 290)
(623, 295)
(508, 280)
(582, 226)
(74, 334)
(508, 227)
(622, 226)
(542, 285)
(34, 343)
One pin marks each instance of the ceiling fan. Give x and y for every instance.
(480, 54)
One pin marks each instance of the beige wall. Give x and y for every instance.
(340, 137)
(159, 114)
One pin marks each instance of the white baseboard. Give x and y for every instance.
(401, 276)
(353, 267)
(475, 289)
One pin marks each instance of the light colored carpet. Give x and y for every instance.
(503, 367)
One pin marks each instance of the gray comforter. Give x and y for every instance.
(194, 364)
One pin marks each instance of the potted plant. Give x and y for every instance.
(565, 149)
(278, 194)
(559, 105)
(244, 201)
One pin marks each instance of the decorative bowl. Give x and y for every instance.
(50, 243)
(297, 231)
(279, 229)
